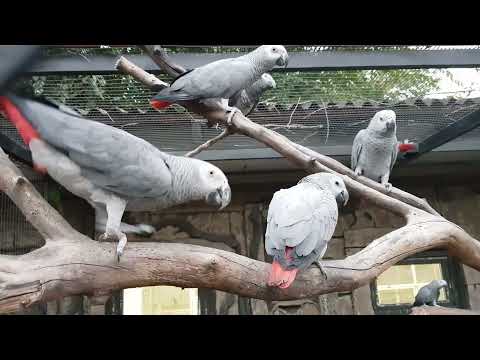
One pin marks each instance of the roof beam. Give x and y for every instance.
(12, 148)
(299, 61)
(16, 59)
(445, 135)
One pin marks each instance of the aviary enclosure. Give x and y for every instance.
(211, 252)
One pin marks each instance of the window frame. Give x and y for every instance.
(452, 272)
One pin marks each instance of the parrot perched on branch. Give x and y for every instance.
(108, 167)
(247, 99)
(300, 222)
(222, 79)
(428, 295)
(375, 148)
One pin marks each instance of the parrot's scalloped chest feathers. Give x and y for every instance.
(375, 158)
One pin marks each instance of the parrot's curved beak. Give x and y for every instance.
(220, 198)
(342, 198)
(391, 125)
(283, 60)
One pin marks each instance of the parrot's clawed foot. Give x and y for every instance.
(145, 230)
(114, 237)
(322, 270)
(121, 246)
(232, 111)
(388, 187)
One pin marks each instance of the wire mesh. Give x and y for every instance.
(314, 108)
(17, 235)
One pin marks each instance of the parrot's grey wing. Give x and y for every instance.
(393, 155)
(357, 148)
(110, 157)
(181, 75)
(301, 217)
(254, 106)
(213, 80)
(233, 101)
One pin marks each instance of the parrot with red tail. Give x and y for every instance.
(109, 167)
(222, 79)
(301, 221)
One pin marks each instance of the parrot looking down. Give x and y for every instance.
(220, 80)
(108, 167)
(301, 221)
(428, 295)
(375, 148)
(246, 100)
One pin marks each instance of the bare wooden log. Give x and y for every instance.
(440, 310)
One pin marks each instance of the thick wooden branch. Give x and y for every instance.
(440, 310)
(72, 267)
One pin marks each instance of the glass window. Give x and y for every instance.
(399, 284)
(394, 291)
(160, 300)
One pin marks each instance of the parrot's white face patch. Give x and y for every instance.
(383, 121)
(269, 81)
(276, 54)
(214, 185)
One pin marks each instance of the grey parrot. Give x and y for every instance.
(247, 99)
(220, 80)
(109, 167)
(428, 295)
(301, 221)
(375, 148)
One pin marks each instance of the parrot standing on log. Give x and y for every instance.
(301, 221)
(108, 167)
(222, 79)
(428, 295)
(375, 148)
(247, 99)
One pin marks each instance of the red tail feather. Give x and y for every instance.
(406, 147)
(27, 132)
(281, 278)
(157, 104)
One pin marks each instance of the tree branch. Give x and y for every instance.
(38, 212)
(209, 143)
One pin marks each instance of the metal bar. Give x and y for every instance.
(15, 59)
(12, 148)
(445, 135)
(324, 60)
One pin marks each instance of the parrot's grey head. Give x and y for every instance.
(439, 284)
(274, 55)
(268, 82)
(331, 182)
(383, 122)
(213, 185)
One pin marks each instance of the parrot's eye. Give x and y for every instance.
(211, 172)
(274, 49)
(337, 183)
